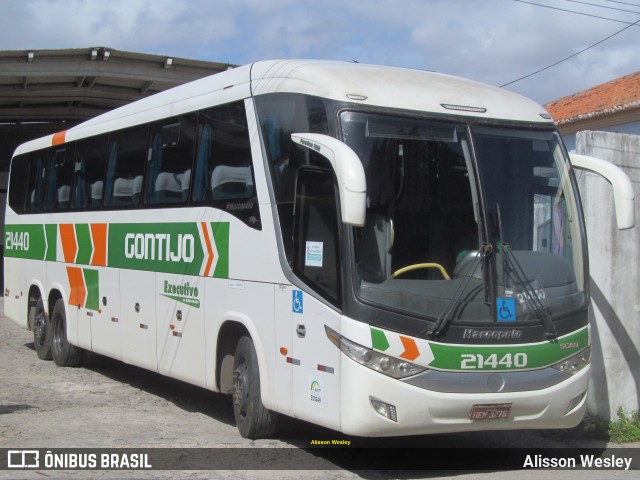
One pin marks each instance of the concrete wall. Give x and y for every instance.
(614, 258)
(632, 128)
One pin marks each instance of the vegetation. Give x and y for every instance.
(625, 429)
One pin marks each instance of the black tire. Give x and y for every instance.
(64, 354)
(253, 420)
(41, 326)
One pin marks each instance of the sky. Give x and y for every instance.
(493, 41)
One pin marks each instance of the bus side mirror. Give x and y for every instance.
(623, 195)
(352, 183)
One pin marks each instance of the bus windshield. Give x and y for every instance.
(461, 218)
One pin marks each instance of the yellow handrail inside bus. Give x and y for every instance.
(416, 266)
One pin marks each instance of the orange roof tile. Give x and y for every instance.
(620, 94)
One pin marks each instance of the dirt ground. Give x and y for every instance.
(106, 404)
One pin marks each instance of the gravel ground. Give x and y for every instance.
(106, 404)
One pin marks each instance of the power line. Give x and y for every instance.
(603, 6)
(571, 56)
(573, 11)
(623, 3)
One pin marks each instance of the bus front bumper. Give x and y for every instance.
(420, 411)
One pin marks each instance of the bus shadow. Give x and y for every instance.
(434, 456)
(21, 407)
(183, 395)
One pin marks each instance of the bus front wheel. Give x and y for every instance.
(252, 418)
(64, 354)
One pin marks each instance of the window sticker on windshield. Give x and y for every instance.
(506, 309)
(530, 295)
(313, 254)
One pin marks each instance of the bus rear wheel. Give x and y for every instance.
(41, 327)
(252, 418)
(64, 354)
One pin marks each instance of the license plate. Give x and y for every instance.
(490, 412)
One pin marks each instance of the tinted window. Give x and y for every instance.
(169, 160)
(37, 177)
(223, 172)
(316, 252)
(18, 180)
(125, 167)
(281, 115)
(201, 157)
(58, 181)
(89, 166)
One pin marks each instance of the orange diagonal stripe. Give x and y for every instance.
(209, 249)
(77, 290)
(99, 236)
(411, 351)
(58, 138)
(69, 245)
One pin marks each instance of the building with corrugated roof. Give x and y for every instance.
(613, 107)
(45, 91)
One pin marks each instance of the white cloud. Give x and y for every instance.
(495, 41)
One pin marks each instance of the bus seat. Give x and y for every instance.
(168, 187)
(136, 189)
(96, 193)
(64, 194)
(184, 184)
(122, 191)
(231, 182)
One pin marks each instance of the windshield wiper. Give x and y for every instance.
(530, 297)
(510, 266)
(446, 315)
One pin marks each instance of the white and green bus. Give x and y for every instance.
(375, 250)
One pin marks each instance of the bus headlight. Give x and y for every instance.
(574, 364)
(391, 366)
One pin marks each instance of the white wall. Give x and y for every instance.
(632, 128)
(614, 258)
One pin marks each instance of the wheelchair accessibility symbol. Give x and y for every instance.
(297, 302)
(506, 309)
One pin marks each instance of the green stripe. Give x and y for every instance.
(379, 339)
(25, 241)
(91, 280)
(84, 244)
(51, 232)
(221, 238)
(166, 247)
(538, 355)
(156, 247)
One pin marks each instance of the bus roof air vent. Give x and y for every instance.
(464, 108)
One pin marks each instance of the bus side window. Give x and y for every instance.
(223, 171)
(89, 169)
(17, 187)
(37, 178)
(282, 114)
(125, 167)
(169, 160)
(58, 188)
(316, 242)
